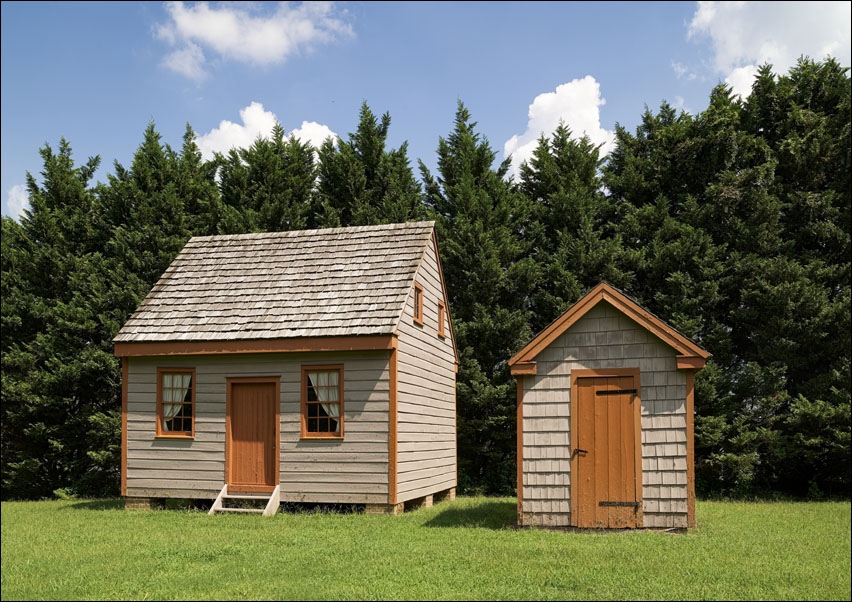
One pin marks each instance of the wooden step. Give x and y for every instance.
(244, 510)
(270, 501)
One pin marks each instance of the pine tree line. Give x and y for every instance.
(733, 225)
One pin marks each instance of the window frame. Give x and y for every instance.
(442, 318)
(418, 304)
(160, 430)
(303, 405)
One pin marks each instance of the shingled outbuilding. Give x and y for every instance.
(304, 366)
(605, 419)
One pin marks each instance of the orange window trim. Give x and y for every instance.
(418, 304)
(161, 432)
(305, 434)
(441, 310)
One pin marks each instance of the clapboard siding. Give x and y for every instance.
(353, 470)
(604, 338)
(426, 412)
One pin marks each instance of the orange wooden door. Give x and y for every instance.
(606, 471)
(252, 436)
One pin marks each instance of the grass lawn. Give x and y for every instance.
(466, 549)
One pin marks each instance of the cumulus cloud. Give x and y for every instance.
(241, 33)
(746, 35)
(256, 122)
(576, 104)
(16, 201)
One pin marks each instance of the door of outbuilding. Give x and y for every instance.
(606, 455)
(252, 434)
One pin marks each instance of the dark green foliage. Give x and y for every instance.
(267, 187)
(59, 380)
(740, 218)
(479, 220)
(361, 183)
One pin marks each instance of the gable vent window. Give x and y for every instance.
(418, 304)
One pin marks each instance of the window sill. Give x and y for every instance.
(320, 438)
(161, 436)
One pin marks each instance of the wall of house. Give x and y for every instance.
(352, 470)
(426, 408)
(604, 338)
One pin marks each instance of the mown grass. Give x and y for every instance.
(467, 549)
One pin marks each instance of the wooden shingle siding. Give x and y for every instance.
(426, 416)
(604, 339)
(353, 470)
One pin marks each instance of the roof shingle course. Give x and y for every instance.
(326, 282)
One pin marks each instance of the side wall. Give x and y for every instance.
(426, 407)
(352, 470)
(604, 338)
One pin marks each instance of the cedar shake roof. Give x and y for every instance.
(309, 283)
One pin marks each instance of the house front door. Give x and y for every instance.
(606, 463)
(252, 434)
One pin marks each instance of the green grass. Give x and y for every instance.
(467, 549)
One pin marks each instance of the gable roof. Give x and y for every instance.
(690, 355)
(332, 282)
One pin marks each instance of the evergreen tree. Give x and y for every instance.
(267, 187)
(742, 235)
(570, 233)
(361, 183)
(60, 427)
(479, 220)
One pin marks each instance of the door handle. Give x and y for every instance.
(577, 450)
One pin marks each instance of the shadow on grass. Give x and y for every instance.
(109, 504)
(489, 515)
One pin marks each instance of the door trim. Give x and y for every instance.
(229, 384)
(578, 374)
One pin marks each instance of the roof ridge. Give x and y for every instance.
(423, 224)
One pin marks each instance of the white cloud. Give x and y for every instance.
(313, 132)
(577, 104)
(188, 61)
(746, 35)
(256, 122)
(16, 201)
(240, 32)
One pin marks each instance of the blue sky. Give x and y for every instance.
(97, 73)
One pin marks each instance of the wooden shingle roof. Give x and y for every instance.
(331, 282)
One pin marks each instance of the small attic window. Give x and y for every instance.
(418, 304)
(442, 311)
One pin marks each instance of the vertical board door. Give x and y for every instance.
(606, 472)
(252, 436)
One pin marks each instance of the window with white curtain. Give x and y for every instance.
(176, 402)
(322, 401)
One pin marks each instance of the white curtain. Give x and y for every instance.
(325, 385)
(175, 387)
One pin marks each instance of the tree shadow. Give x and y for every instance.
(106, 504)
(495, 515)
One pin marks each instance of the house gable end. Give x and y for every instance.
(689, 355)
